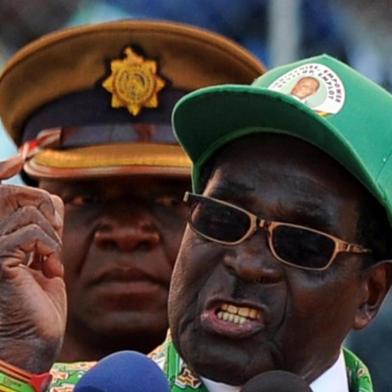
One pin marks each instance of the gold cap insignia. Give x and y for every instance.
(134, 83)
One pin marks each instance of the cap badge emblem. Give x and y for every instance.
(315, 85)
(133, 83)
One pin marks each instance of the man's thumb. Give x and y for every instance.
(11, 167)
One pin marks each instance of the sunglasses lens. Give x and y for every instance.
(218, 221)
(302, 247)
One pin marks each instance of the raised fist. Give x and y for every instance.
(32, 291)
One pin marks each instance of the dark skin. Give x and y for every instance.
(121, 237)
(33, 306)
(305, 316)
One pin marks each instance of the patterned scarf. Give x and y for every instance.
(182, 379)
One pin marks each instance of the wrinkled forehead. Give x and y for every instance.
(283, 157)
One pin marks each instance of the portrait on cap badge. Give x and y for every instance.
(134, 83)
(315, 85)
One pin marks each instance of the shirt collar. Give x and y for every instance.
(334, 379)
(214, 386)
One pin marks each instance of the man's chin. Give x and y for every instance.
(120, 325)
(236, 366)
(133, 323)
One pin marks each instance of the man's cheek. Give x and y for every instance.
(312, 307)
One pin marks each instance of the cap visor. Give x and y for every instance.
(110, 160)
(208, 118)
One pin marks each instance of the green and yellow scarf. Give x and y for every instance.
(182, 379)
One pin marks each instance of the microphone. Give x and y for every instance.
(276, 381)
(124, 371)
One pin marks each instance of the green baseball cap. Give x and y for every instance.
(319, 100)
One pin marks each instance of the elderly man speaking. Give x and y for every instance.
(288, 241)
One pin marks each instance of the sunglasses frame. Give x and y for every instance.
(268, 226)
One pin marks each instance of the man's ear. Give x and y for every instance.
(375, 283)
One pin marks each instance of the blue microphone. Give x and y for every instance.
(124, 371)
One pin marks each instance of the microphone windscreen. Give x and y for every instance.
(124, 371)
(276, 381)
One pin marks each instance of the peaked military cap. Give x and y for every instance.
(96, 100)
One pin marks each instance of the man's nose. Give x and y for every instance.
(127, 231)
(251, 261)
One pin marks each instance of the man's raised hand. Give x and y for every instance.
(32, 291)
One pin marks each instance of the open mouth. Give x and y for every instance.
(233, 320)
(238, 314)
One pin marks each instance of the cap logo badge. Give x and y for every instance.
(315, 85)
(134, 83)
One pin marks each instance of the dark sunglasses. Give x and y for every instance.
(294, 245)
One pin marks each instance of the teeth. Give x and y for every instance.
(244, 312)
(231, 317)
(238, 314)
(232, 309)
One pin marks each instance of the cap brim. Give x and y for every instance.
(209, 118)
(110, 160)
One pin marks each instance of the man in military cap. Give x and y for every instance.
(91, 107)
(288, 244)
